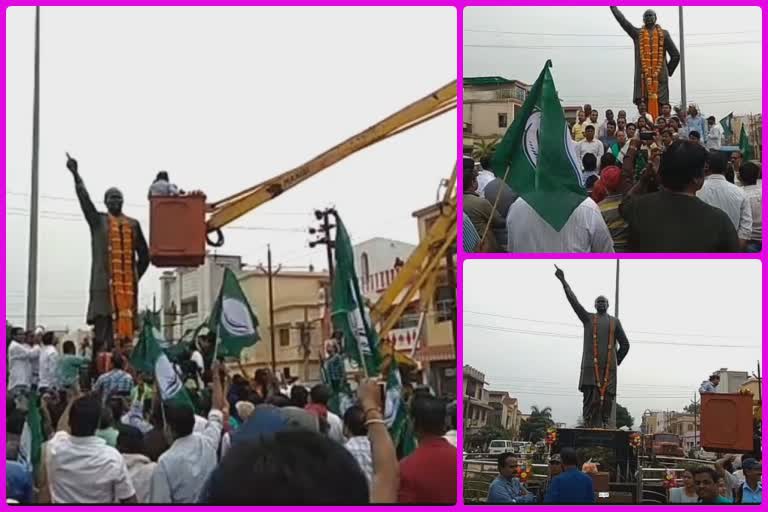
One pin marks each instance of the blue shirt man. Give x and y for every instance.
(752, 489)
(506, 488)
(572, 486)
(18, 482)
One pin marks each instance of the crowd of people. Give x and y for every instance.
(110, 438)
(653, 185)
(567, 484)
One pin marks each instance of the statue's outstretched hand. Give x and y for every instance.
(71, 164)
(559, 273)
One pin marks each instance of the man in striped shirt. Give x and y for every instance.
(609, 207)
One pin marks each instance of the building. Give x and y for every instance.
(491, 103)
(656, 422)
(476, 400)
(686, 426)
(730, 380)
(299, 308)
(187, 295)
(505, 413)
(437, 350)
(752, 385)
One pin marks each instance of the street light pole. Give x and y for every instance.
(34, 192)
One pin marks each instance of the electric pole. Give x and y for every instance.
(270, 275)
(683, 98)
(34, 192)
(324, 230)
(616, 307)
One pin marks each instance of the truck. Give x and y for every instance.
(664, 444)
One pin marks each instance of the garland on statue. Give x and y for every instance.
(651, 59)
(121, 276)
(596, 360)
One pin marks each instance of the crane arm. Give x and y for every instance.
(420, 267)
(233, 207)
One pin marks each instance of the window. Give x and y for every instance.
(287, 372)
(502, 120)
(189, 306)
(516, 110)
(690, 428)
(364, 267)
(520, 93)
(285, 336)
(444, 303)
(467, 127)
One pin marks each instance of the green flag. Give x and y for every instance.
(349, 314)
(31, 441)
(396, 413)
(744, 146)
(727, 124)
(538, 156)
(150, 358)
(232, 319)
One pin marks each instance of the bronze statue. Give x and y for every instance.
(119, 258)
(599, 360)
(651, 74)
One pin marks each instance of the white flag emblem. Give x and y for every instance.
(236, 319)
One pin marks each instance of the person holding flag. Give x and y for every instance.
(538, 159)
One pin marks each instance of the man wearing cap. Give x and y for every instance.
(555, 469)
(714, 134)
(751, 491)
(605, 347)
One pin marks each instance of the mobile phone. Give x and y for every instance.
(382, 394)
(646, 136)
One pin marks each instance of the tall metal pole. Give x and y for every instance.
(683, 96)
(616, 307)
(271, 310)
(329, 242)
(34, 193)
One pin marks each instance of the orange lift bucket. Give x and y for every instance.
(177, 231)
(726, 422)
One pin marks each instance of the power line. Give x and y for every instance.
(511, 379)
(601, 47)
(568, 336)
(571, 324)
(561, 34)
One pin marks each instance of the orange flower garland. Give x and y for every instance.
(121, 277)
(607, 375)
(651, 59)
(635, 440)
(551, 437)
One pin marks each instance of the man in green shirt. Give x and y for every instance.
(69, 367)
(706, 480)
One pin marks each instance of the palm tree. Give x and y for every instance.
(484, 147)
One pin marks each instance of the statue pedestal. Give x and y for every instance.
(615, 442)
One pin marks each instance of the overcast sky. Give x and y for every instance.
(222, 98)
(532, 349)
(722, 50)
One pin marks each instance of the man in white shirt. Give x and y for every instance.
(484, 175)
(592, 120)
(49, 363)
(642, 111)
(183, 470)
(80, 467)
(320, 394)
(590, 144)
(717, 192)
(358, 443)
(21, 353)
(585, 230)
(714, 134)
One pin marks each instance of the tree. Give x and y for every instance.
(535, 427)
(693, 408)
(623, 418)
(483, 148)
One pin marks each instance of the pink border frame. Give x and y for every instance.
(459, 4)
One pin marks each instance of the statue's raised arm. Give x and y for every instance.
(582, 313)
(631, 30)
(86, 205)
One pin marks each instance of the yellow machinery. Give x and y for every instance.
(171, 246)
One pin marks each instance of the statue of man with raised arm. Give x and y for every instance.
(600, 358)
(119, 258)
(652, 71)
